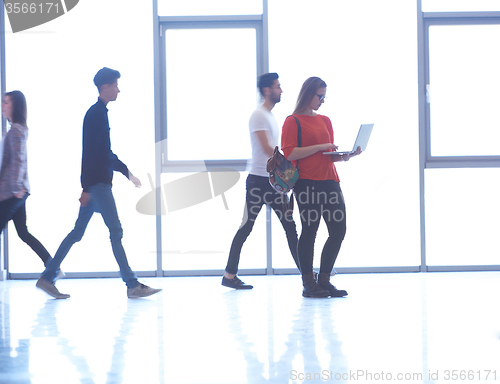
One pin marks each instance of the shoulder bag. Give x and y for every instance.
(283, 174)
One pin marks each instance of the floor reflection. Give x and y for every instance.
(313, 351)
(198, 332)
(51, 346)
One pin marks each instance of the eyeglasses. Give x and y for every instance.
(321, 97)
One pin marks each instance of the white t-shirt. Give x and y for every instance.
(261, 120)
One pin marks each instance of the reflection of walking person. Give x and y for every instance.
(14, 183)
(264, 135)
(318, 190)
(98, 164)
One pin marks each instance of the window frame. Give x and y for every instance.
(203, 22)
(426, 159)
(162, 162)
(448, 19)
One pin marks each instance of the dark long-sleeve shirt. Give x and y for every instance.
(98, 161)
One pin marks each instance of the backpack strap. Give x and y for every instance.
(299, 135)
(288, 204)
(299, 131)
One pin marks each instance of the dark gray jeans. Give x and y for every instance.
(260, 192)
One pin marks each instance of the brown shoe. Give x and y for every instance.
(141, 290)
(49, 288)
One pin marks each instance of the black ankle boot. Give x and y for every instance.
(311, 288)
(324, 282)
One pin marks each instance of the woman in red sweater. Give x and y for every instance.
(317, 191)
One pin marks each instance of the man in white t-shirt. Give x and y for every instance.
(264, 136)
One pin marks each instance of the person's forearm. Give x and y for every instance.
(303, 152)
(264, 143)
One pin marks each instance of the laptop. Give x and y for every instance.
(361, 140)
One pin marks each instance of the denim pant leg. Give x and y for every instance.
(254, 201)
(288, 223)
(84, 216)
(104, 203)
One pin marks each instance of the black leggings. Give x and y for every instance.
(316, 200)
(15, 209)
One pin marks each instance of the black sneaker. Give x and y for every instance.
(324, 282)
(316, 292)
(235, 283)
(334, 292)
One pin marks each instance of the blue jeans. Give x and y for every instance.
(103, 202)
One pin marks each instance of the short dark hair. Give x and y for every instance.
(19, 107)
(266, 80)
(105, 76)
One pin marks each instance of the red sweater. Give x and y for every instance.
(315, 130)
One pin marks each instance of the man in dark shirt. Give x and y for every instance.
(98, 164)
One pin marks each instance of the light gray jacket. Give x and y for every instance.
(14, 171)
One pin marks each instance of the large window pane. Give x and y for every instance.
(460, 5)
(209, 7)
(464, 83)
(199, 236)
(54, 65)
(211, 91)
(461, 217)
(366, 53)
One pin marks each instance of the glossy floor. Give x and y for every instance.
(407, 328)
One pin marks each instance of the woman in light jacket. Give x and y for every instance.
(14, 183)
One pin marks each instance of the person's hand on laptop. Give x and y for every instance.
(343, 156)
(356, 152)
(347, 156)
